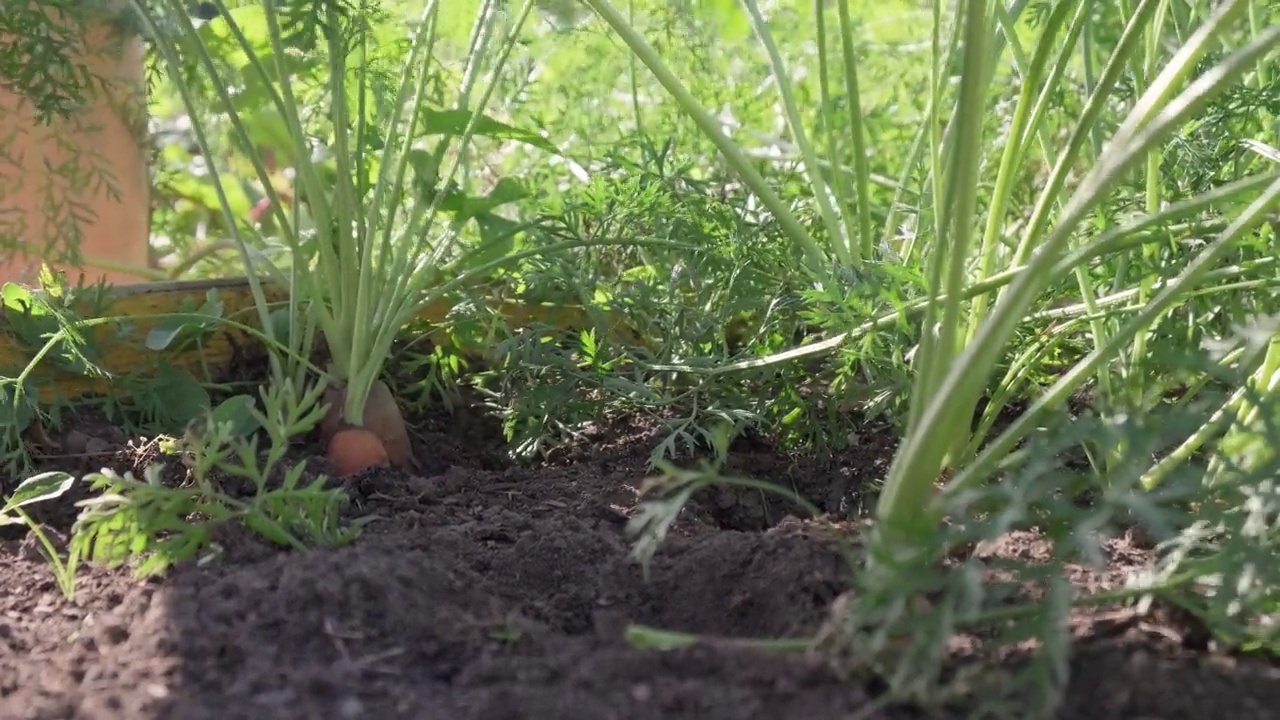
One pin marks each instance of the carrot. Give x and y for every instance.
(356, 449)
(382, 416)
(382, 419)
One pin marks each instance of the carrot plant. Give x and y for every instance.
(359, 139)
(991, 247)
(370, 229)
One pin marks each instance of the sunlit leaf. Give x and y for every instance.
(38, 488)
(169, 328)
(454, 123)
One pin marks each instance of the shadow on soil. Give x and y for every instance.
(485, 591)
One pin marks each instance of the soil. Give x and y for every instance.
(486, 590)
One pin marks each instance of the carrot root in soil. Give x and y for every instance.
(355, 449)
(383, 440)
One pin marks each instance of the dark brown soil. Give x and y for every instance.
(488, 591)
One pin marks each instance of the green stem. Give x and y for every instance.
(1187, 280)
(733, 155)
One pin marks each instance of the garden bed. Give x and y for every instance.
(489, 590)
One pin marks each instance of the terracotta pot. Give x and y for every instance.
(106, 141)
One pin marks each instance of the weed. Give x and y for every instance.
(169, 523)
(39, 488)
